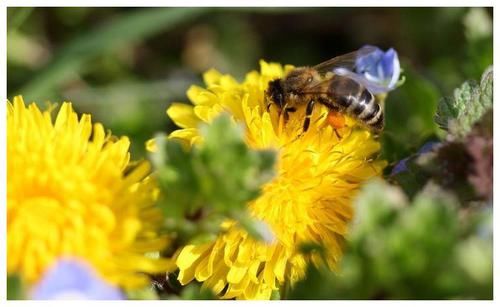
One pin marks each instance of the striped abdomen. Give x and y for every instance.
(351, 97)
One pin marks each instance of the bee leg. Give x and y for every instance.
(289, 110)
(309, 110)
(337, 134)
(286, 109)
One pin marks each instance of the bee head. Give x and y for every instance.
(275, 92)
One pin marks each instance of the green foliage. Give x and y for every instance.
(470, 102)
(417, 240)
(122, 65)
(147, 293)
(408, 250)
(15, 288)
(125, 30)
(448, 164)
(232, 173)
(409, 114)
(196, 292)
(477, 24)
(16, 16)
(460, 164)
(207, 183)
(479, 34)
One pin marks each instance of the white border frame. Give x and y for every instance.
(227, 3)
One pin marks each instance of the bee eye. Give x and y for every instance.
(309, 80)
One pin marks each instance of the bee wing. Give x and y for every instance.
(318, 87)
(321, 87)
(372, 86)
(347, 61)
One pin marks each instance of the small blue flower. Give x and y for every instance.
(74, 279)
(401, 166)
(381, 68)
(377, 70)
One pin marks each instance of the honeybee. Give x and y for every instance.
(344, 92)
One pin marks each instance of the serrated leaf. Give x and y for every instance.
(457, 115)
(487, 88)
(446, 110)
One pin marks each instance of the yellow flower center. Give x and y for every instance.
(309, 201)
(68, 195)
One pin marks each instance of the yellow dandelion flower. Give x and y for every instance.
(71, 192)
(309, 200)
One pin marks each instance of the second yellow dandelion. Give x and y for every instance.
(309, 201)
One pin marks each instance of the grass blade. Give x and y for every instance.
(132, 27)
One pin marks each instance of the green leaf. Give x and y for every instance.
(229, 173)
(377, 206)
(15, 288)
(211, 182)
(409, 113)
(457, 115)
(414, 177)
(318, 285)
(147, 293)
(16, 16)
(196, 292)
(122, 31)
(177, 177)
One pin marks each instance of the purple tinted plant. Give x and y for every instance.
(74, 279)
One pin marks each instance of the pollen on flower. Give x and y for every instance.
(309, 201)
(68, 195)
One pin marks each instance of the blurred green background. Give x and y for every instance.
(125, 65)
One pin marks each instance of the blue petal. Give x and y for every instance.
(74, 279)
(380, 69)
(368, 63)
(427, 147)
(400, 167)
(387, 63)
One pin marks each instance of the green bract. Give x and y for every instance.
(215, 179)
